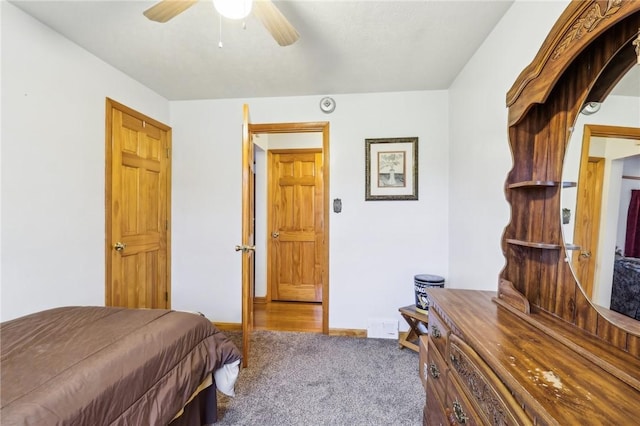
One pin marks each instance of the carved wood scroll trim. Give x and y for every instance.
(573, 31)
(479, 387)
(585, 24)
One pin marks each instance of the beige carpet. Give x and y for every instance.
(313, 379)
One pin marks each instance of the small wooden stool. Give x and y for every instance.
(414, 319)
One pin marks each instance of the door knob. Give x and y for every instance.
(119, 246)
(585, 254)
(275, 234)
(245, 249)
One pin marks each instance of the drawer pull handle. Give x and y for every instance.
(435, 331)
(433, 369)
(460, 415)
(454, 360)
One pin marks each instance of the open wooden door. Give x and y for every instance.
(247, 248)
(587, 229)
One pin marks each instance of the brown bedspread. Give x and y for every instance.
(96, 365)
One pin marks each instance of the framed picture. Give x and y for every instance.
(391, 169)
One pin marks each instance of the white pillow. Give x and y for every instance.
(226, 377)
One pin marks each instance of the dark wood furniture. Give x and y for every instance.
(418, 323)
(537, 351)
(493, 367)
(422, 356)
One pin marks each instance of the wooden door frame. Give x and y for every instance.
(311, 127)
(110, 104)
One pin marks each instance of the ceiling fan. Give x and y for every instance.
(265, 10)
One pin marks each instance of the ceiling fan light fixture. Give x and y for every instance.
(233, 9)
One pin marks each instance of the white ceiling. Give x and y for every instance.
(345, 46)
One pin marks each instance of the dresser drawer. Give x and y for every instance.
(436, 371)
(433, 413)
(422, 359)
(459, 409)
(491, 398)
(439, 333)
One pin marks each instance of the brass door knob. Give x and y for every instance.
(119, 246)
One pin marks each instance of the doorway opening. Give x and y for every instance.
(291, 226)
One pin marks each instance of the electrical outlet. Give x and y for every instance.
(382, 328)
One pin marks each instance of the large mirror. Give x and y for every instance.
(603, 160)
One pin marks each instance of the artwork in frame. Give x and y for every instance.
(391, 169)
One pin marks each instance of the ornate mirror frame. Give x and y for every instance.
(574, 66)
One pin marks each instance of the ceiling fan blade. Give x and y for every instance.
(167, 9)
(275, 22)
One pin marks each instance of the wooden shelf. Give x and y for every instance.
(532, 244)
(541, 184)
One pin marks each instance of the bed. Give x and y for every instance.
(625, 291)
(115, 366)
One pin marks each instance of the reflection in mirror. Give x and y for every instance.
(603, 158)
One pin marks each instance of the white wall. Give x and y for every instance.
(480, 155)
(53, 127)
(376, 247)
(53, 148)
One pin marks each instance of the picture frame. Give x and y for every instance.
(391, 169)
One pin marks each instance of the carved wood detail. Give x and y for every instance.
(587, 23)
(583, 43)
(478, 385)
(538, 352)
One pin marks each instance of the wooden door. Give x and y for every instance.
(587, 227)
(138, 208)
(247, 248)
(296, 218)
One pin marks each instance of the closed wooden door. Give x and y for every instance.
(296, 218)
(588, 207)
(138, 206)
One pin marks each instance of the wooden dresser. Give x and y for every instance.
(538, 351)
(486, 366)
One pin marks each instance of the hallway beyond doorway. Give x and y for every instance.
(288, 316)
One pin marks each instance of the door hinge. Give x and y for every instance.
(166, 225)
(166, 296)
(167, 152)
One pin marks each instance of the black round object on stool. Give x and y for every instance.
(421, 283)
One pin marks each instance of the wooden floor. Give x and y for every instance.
(288, 316)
